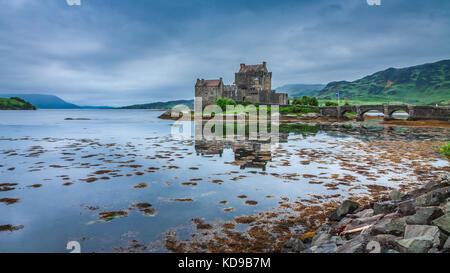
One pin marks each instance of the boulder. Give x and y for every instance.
(396, 195)
(443, 223)
(424, 216)
(413, 231)
(364, 213)
(396, 226)
(407, 207)
(416, 245)
(347, 207)
(447, 244)
(294, 245)
(433, 198)
(386, 241)
(329, 247)
(385, 207)
(355, 245)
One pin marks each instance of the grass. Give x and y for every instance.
(15, 104)
(445, 150)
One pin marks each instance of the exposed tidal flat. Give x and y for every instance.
(116, 181)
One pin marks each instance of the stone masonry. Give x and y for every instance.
(253, 84)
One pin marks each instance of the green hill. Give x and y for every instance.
(15, 104)
(298, 90)
(420, 85)
(161, 105)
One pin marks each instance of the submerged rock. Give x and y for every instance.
(347, 207)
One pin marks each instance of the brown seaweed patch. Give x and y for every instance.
(35, 186)
(68, 184)
(89, 180)
(223, 202)
(200, 224)
(9, 201)
(245, 219)
(251, 202)
(228, 209)
(182, 199)
(242, 196)
(189, 184)
(8, 186)
(110, 215)
(10, 228)
(140, 186)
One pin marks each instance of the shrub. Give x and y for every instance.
(445, 150)
(331, 103)
(305, 100)
(223, 102)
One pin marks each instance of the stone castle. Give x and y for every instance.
(253, 84)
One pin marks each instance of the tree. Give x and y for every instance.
(305, 100)
(331, 103)
(223, 102)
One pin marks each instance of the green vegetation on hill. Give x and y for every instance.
(161, 105)
(445, 150)
(426, 84)
(15, 104)
(300, 90)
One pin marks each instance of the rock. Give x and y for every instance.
(434, 250)
(329, 247)
(447, 244)
(443, 223)
(396, 227)
(365, 213)
(355, 245)
(433, 198)
(346, 207)
(416, 245)
(386, 241)
(446, 206)
(407, 207)
(385, 207)
(413, 231)
(334, 217)
(424, 216)
(396, 195)
(321, 235)
(294, 245)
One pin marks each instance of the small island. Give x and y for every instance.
(15, 103)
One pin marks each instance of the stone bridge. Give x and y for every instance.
(414, 112)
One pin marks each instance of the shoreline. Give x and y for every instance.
(413, 222)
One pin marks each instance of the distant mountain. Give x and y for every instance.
(50, 102)
(161, 105)
(422, 84)
(300, 90)
(43, 101)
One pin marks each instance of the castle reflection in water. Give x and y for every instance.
(247, 153)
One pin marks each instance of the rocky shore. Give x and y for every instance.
(414, 222)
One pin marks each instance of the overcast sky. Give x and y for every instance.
(121, 52)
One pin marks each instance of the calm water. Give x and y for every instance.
(91, 165)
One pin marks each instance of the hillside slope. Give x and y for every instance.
(161, 105)
(421, 84)
(300, 90)
(15, 104)
(43, 101)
